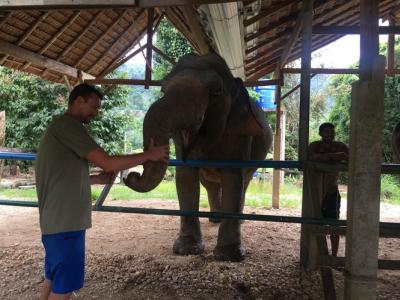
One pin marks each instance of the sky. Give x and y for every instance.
(339, 54)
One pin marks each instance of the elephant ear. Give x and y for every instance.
(396, 143)
(246, 117)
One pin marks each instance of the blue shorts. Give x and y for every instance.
(64, 262)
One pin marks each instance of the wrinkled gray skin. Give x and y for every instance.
(396, 143)
(203, 98)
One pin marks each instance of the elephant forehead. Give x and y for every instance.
(184, 82)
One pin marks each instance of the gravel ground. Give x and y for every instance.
(129, 256)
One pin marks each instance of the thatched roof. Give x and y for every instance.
(88, 42)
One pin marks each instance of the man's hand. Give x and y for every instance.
(103, 178)
(159, 153)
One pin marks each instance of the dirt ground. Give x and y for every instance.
(129, 256)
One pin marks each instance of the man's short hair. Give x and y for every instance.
(326, 125)
(83, 90)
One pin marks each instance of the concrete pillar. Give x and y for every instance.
(364, 185)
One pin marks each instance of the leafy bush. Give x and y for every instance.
(390, 189)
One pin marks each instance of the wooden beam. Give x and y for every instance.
(276, 174)
(149, 49)
(78, 4)
(305, 80)
(292, 39)
(271, 26)
(293, 89)
(6, 18)
(390, 49)
(353, 29)
(197, 29)
(163, 55)
(56, 35)
(262, 82)
(82, 33)
(321, 71)
(38, 59)
(27, 33)
(120, 37)
(369, 41)
(123, 81)
(345, 10)
(116, 62)
(100, 38)
(271, 52)
(273, 8)
(67, 83)
(160, 3)
(383, 264)
(384, 232)
(121, 62)
(269, 41)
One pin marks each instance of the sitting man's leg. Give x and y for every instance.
(331, 209)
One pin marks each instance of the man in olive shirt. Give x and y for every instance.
(63, 188)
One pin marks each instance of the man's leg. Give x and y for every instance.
(46, 289)
(59, 296)
(335, 244)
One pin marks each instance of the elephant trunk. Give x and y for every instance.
(156, 126)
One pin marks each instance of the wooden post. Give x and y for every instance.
(369, 36)
(67, 83)
(390, 49)
(276, 181)
(149, 49)
(308, 249)
(2, 137)
(366, 125)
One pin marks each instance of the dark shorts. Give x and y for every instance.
(64, 262)
(330, 207)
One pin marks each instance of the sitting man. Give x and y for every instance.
(328, 150)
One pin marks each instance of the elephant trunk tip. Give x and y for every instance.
(135, 181)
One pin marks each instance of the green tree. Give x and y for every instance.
(340, 90)
(291, 104)
(170, 41)
(31, 103)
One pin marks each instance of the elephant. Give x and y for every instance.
(209, 115)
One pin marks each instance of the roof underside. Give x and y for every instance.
(251, 35)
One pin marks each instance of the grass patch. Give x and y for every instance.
(259, 193)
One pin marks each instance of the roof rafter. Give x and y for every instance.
(274, 8)
(121, 36)
(100, 38)
(41, 60)
(27, 33)
(74, 16)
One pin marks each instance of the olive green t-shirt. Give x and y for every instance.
(62, 177)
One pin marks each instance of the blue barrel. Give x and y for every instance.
(267, 97)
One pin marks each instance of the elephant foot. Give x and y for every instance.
(214, 220)
(233, 252)
(188, 246)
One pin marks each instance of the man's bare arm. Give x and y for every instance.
(122, 162)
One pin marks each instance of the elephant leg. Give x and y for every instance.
(189, 240)
(214, 194)
(229, 245)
